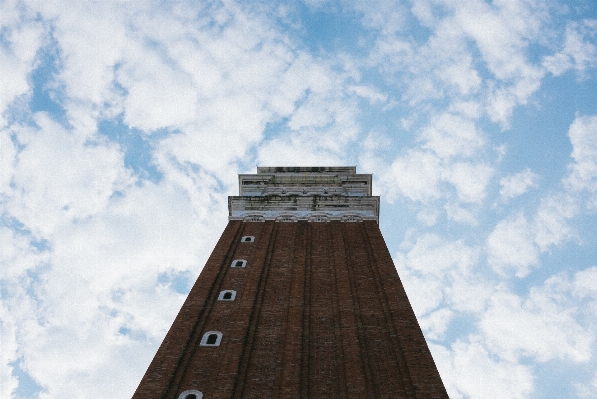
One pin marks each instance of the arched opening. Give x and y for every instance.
(211, 338)
(191, 394)
(227, 295)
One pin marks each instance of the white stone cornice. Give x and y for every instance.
(302, 193)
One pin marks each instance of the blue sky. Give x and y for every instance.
(124, 125)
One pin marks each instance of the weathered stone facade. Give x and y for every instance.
(319, 310)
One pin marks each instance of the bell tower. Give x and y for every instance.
(299, 299)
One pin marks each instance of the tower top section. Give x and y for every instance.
(304, 193)
(350, 170)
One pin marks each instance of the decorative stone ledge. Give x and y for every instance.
(302, 193)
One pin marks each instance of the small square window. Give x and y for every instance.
(238, 263)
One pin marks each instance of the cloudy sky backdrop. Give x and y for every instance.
(124, 124)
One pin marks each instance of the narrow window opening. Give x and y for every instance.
(212, 339)
(191, 394)
(248, 239)
(227, 295)
(239, 263)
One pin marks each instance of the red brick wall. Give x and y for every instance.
(320, 312)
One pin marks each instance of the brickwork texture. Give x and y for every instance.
(320, 312)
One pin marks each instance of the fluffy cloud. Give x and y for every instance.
(552, 220)
(470, 180)
(429, 267)
(587, 390)
(9, 353)
(578, 50)
(19, 44)
(102, 274)
(450, 135)
(510, 247)
(515, 328)
(414, 175)
(585, 283)
(60, 177)
(423, 177)
(583, 136)
(87, 246)
(443, 66)
(547, 324)
(470, 371)
(517, 184)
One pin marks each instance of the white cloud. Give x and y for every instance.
(160, 98)
(92, 39)
(585, 283)
(320, 129)
(547, 324)
(430, 266)
(7, 159)
(217, 87)
(517, 184)
(587, 390)
(501, 103)
(370, 93)
(498, 31)
(469, 371)
(60, 177)
(515, 328)
(583, 136)
(17, 255)
(578, 52)
(217, 78)
(421, 176)
(107, 244)
(435, 324)
(551, 221)
(9, 352)
(450, 135)
(446, 64)
(424, 293)
(441, 274)
(431, 254)
(428, 215)
(19, 44)
(415, 175)
(99, 301)
(468, 109)
(469, 293)
(470, 180)
(386, 15)
(296, 149)
(510, 246)
(460, 214)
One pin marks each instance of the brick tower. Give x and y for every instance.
(299, 299)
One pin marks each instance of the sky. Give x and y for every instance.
(124, 126)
